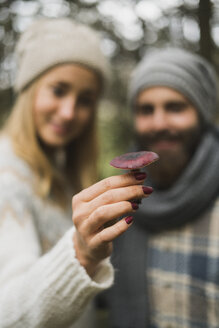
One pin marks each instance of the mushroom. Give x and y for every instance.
(134, 161)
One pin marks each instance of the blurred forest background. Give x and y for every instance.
(128, 28)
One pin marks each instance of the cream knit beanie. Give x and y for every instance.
(50, 42)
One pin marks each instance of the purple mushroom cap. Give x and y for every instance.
(134, 160)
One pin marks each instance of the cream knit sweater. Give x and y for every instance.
(42, 284)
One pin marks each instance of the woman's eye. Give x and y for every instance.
(86, 101)
(59, 91)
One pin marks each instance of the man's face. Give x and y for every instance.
(166, 123)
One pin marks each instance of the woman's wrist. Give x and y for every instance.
(89, 264)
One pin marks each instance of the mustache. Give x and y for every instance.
(189, 138)
(160, 136)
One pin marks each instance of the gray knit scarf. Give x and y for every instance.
(193, 193)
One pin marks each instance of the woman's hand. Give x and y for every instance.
(94, 209)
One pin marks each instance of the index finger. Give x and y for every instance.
(113, 182)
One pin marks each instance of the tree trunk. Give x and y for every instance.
(204, 17)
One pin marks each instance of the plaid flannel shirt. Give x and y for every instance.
(183, 275)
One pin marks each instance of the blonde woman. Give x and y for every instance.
(51, 267)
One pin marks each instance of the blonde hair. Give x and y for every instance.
(81, 153)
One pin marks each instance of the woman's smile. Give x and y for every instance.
(60, 128)
(65, 103)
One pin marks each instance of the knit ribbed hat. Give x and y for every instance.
(187, 73)
(49, 42)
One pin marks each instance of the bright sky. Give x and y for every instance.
(123, 13)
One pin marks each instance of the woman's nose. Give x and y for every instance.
(67, 108)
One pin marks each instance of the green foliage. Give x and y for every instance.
(115, 134)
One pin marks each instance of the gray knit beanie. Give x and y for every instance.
(49, 42)
(187, 73)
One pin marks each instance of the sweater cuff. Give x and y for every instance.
(64, 264)
(104, 276)
(65, 279)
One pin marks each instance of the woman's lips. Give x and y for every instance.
(60, 129)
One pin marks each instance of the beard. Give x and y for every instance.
(173, 160)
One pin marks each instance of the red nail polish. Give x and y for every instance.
(147, 190)
(129, 219)
(134, 206)
(140, 175)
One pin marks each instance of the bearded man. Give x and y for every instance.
(168, 262)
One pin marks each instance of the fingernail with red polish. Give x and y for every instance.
(134, 206)
(147, 190)
(140, 175)
(129, 219)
